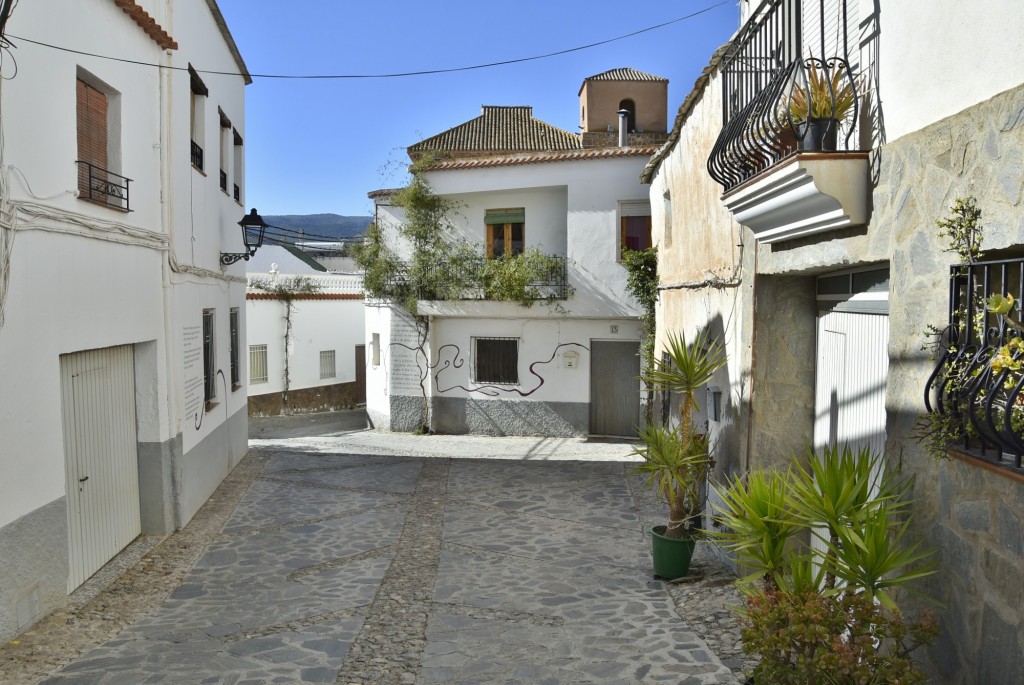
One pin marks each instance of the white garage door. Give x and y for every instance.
(101, 460)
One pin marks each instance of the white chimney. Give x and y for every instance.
(623, 113)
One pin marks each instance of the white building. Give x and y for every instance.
(124, 404)
(567, 366)
(306, 337)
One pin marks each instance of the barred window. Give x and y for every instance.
(327, 366)
(257, 364)
(496, 360)
(233, 351)
(209, 359)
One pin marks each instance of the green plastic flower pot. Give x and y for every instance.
(671, 557)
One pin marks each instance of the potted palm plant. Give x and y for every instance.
(817, 108)
(677, 459)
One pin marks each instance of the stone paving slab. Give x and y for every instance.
(355, 566)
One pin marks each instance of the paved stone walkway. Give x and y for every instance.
(347, 561)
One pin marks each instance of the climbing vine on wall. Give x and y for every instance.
(642, 284)
(286, 290)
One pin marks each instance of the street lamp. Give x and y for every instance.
(253, 228)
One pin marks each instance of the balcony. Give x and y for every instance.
(224, 180)
(975, 392)
(237, 194)
(485, 279)
(197, 156)
(102, 186)
(787, 154)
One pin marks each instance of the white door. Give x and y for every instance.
(101, 460)
(852, 368)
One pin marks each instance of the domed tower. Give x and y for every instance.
(644, 98)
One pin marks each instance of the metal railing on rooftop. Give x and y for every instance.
(787, 85)
(978, 382)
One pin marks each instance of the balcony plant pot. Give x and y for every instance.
(671, 556)
(818, 134)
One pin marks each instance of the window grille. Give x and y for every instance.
(496, 360)
(209, 358)
(235, 372)
(257, 364)
(327, 366)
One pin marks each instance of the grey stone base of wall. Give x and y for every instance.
(307, 400)
(204, 466)
(156, 484)
(33, 567)
(456, 416)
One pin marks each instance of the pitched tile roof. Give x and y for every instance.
(624, 74)
(498, 129)
(541, 157)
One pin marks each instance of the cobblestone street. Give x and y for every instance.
(339, 555)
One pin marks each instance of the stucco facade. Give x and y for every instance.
(82, 275)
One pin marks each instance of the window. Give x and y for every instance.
(496, 360)
(237, 168)
(375, 349)
(235, 372)
(98, 129)
(505, 232)
(635, 225)
(209, 360)
(197, 120)
(225, 134)
(257, 364)
(630, 108)
(327, 366)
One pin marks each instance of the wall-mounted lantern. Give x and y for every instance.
(253, 228)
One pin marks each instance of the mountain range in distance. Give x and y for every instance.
(318, 227)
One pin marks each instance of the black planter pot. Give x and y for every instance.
(819, 134)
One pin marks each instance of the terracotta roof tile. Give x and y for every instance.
(624, 74)
(147, 24)
(542, 157)
(498, 129)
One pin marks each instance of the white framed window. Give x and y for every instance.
(257, 364)
(496, 360)
(634, 225)
(197, 118)
(328, 368)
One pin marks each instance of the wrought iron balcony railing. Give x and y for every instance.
(237, 193)
(197, 156)
(471, 279)
(106, 187)
(787, 85)
(224, 180)
(975, 391)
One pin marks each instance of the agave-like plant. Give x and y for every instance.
(826, 96)
(677, 470)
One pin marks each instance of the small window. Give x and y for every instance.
(257, 364)
(375, 350)
(197, 121)
(233, 340)
(225, 142)
(496, 360)
(635, 225)
(237, 168)
(99, 154)
(506, 232)
(327, 365)
(209, 359)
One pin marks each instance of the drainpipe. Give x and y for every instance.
(623, 113)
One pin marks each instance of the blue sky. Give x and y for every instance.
(315, 146)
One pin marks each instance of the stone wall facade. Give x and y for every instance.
(970, 514)
(308, 400)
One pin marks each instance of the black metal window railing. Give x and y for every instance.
(975, 391)
(224, 180)
(197, 156)
(237, 194)
(106, 187)
(788, 85)
(470, 280)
